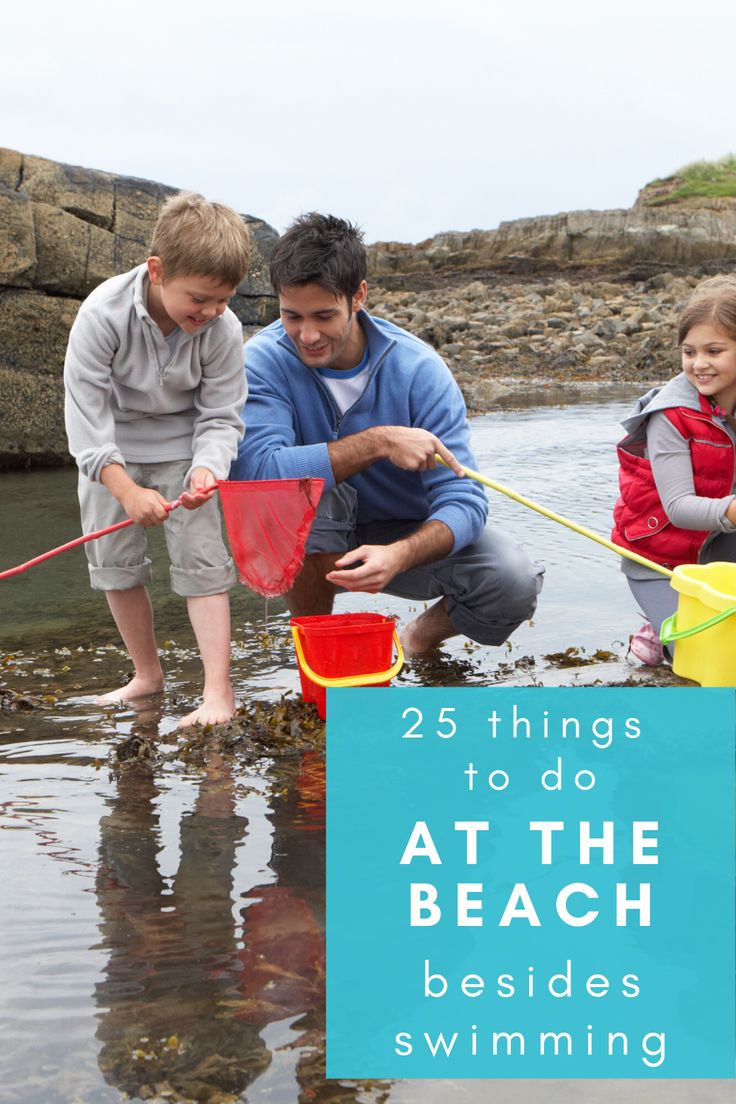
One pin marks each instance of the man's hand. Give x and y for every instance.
(144, 505)
(408, 448)
(378, 565)
(417, 449)
(202, 486)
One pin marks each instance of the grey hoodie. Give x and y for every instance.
(128, 398)
(678, 392)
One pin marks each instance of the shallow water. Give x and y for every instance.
(559, 455)
(162, 922)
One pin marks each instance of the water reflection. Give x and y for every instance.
(171, 949)
(283, 958)
(189, 982)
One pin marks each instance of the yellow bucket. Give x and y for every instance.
(703, 629)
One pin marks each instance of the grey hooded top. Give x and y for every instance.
(130, 397)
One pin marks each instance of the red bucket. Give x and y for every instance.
(344, 649)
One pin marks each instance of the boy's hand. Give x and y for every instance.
(144, 505)
(202, 486)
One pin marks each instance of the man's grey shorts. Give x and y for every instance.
(491, 585)
(200, 562)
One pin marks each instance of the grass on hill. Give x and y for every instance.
(699, 180)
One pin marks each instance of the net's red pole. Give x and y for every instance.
(74, 543)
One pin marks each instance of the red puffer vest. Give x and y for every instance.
(640, 522)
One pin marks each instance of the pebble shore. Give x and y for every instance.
(497, 337)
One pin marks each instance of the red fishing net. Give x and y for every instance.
(268, 522)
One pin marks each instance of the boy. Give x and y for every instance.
(154, 389)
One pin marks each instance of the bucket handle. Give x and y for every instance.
(348, 680)
(670, 632)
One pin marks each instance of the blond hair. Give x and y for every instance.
(194, 237)
(713, 301)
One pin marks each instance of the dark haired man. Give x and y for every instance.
(364, 405)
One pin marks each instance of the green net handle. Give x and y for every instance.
(670, 632)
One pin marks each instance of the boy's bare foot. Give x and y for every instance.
(138, 687)
(216, 708)
(427, 632)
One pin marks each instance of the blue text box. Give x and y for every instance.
(544, 940)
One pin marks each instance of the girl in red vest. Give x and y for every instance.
(676, 463)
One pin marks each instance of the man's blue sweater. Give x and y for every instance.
(290, 416)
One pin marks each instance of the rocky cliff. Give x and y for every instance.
(643, 240)
(64, 229)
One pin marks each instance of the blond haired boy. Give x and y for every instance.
(154, 389)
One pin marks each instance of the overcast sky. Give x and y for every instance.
(408, 117)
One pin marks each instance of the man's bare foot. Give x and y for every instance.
(427, 632)
(216, 708)
(138, 687)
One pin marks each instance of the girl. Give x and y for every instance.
(676, 473)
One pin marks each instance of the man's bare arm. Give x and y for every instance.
(408, 448)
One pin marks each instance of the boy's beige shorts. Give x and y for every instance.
(200, 563)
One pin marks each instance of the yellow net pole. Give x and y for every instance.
(562, 520)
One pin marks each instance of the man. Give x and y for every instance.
(364, 405)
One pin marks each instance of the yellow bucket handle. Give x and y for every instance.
(348, 680)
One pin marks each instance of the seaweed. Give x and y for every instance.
(275, 729)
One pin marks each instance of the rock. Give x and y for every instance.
(513, 329)
(65, 249)
(645, 236)
(33, 335)
(588, 340)
(477, 291)
(454, 323)
(606, 329)
(33, 332)
(32, 425)
(83, 193)
(662, 280)
(17, 240)
(255, 310)
(63, 230)
(11, 164)
(482, 395)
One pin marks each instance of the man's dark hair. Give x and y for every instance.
(320, 249)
